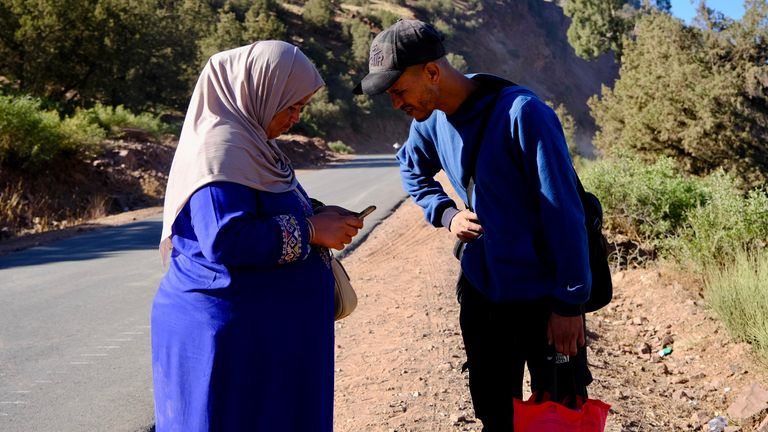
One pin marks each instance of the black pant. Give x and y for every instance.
(499, 340)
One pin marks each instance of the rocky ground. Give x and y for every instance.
(399, 355)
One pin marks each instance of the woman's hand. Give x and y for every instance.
(334, 230)
(335, 209)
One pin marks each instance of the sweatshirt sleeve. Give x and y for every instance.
(546, 157)
(231, 231)
(419, 163)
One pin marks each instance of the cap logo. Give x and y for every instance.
(377, 57)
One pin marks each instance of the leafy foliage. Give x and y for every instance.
(32, 138)
(693, 95)
(340, 147)
(597, 26)
(727, 223)
(737, 294)
(105, 50)
(648, 203)
(318, 12)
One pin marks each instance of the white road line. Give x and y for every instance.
(43, 381)
(120, 340)
(80, 363)
(13, 402)
(132, 333)
(94, 355)
(108, 347)
(19, 391)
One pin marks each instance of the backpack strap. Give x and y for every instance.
(498, 85)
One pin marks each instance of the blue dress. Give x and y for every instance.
(242, 323)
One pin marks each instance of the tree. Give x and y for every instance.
(262, 22)
(693, 94)
(227, 34)
(318, 12)
(78, 52)
(597, 26)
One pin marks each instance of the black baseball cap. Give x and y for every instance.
(405, 43)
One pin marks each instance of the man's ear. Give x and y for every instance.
(432, 72)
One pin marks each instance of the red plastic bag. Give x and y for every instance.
(553, 417)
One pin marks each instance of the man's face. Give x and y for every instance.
(414, 93)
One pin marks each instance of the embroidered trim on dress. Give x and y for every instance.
(291, 238)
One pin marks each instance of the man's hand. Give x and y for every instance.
(566, 333)
(466, 226)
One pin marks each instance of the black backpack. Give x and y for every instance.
(602, 286)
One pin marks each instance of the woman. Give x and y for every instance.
(242, 324)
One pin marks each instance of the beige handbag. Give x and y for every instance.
(345, 297)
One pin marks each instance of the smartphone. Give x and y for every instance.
(368, 210)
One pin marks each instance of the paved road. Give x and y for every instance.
(74, 315)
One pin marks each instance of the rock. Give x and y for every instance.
(751, 401)
(457, 419)
(681, 395)
(644, 348)
(699, 418)
(667, 341)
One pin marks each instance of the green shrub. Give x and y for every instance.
(340, 147)
(321, 114)
(648, 203)
(318, 12)
(31, 137)
(738, 296)
(457, 61)
(728, 222)
(361, 37)
(113, 119)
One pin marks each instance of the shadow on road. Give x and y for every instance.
(144, 235)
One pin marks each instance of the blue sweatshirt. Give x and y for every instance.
(534, 243)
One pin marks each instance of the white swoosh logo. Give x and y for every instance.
(570, 288)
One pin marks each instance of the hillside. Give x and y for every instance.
(522, 40)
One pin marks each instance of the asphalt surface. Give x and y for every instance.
(74, 314)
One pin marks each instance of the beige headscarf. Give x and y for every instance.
(223, 139)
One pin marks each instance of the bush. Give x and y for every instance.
(321, 114)
(340, 147)
(31, 137)
(113, 119)
(648, 203)
(318, 12)
(737, 294)
(458, 61)
(728, 222)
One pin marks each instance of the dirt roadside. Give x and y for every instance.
(399, 355)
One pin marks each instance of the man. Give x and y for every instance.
(525, 269)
